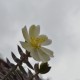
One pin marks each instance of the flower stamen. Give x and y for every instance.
(36, 42)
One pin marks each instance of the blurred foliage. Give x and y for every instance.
(10, 71)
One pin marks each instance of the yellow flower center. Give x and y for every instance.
(36, 42)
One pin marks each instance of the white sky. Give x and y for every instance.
(59, 19)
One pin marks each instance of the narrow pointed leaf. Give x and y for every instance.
(15, 58)
(4, 63)
(9, 63)
(28, 64)
(22, 69)
(20, 50)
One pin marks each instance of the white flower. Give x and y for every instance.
(34, 42)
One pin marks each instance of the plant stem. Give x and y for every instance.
(34, 76)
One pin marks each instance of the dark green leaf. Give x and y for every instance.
(15, 58)
(20, 50)
(28, 64)
(22, 69)
(9, 63)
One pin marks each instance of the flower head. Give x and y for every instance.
(34, 42)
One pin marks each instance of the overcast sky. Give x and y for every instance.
(59, 19)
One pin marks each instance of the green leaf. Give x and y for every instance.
(9, 63)
(15, 58)
(20, 50)
(28, 64)
(22, 69)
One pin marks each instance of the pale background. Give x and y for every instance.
(59, 19)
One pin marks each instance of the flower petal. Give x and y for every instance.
(43, 56)
(34, 31)
(25, 33)
(42, 39)
(47, 42)
(26, 46)
(47, 51)
(35, 55)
